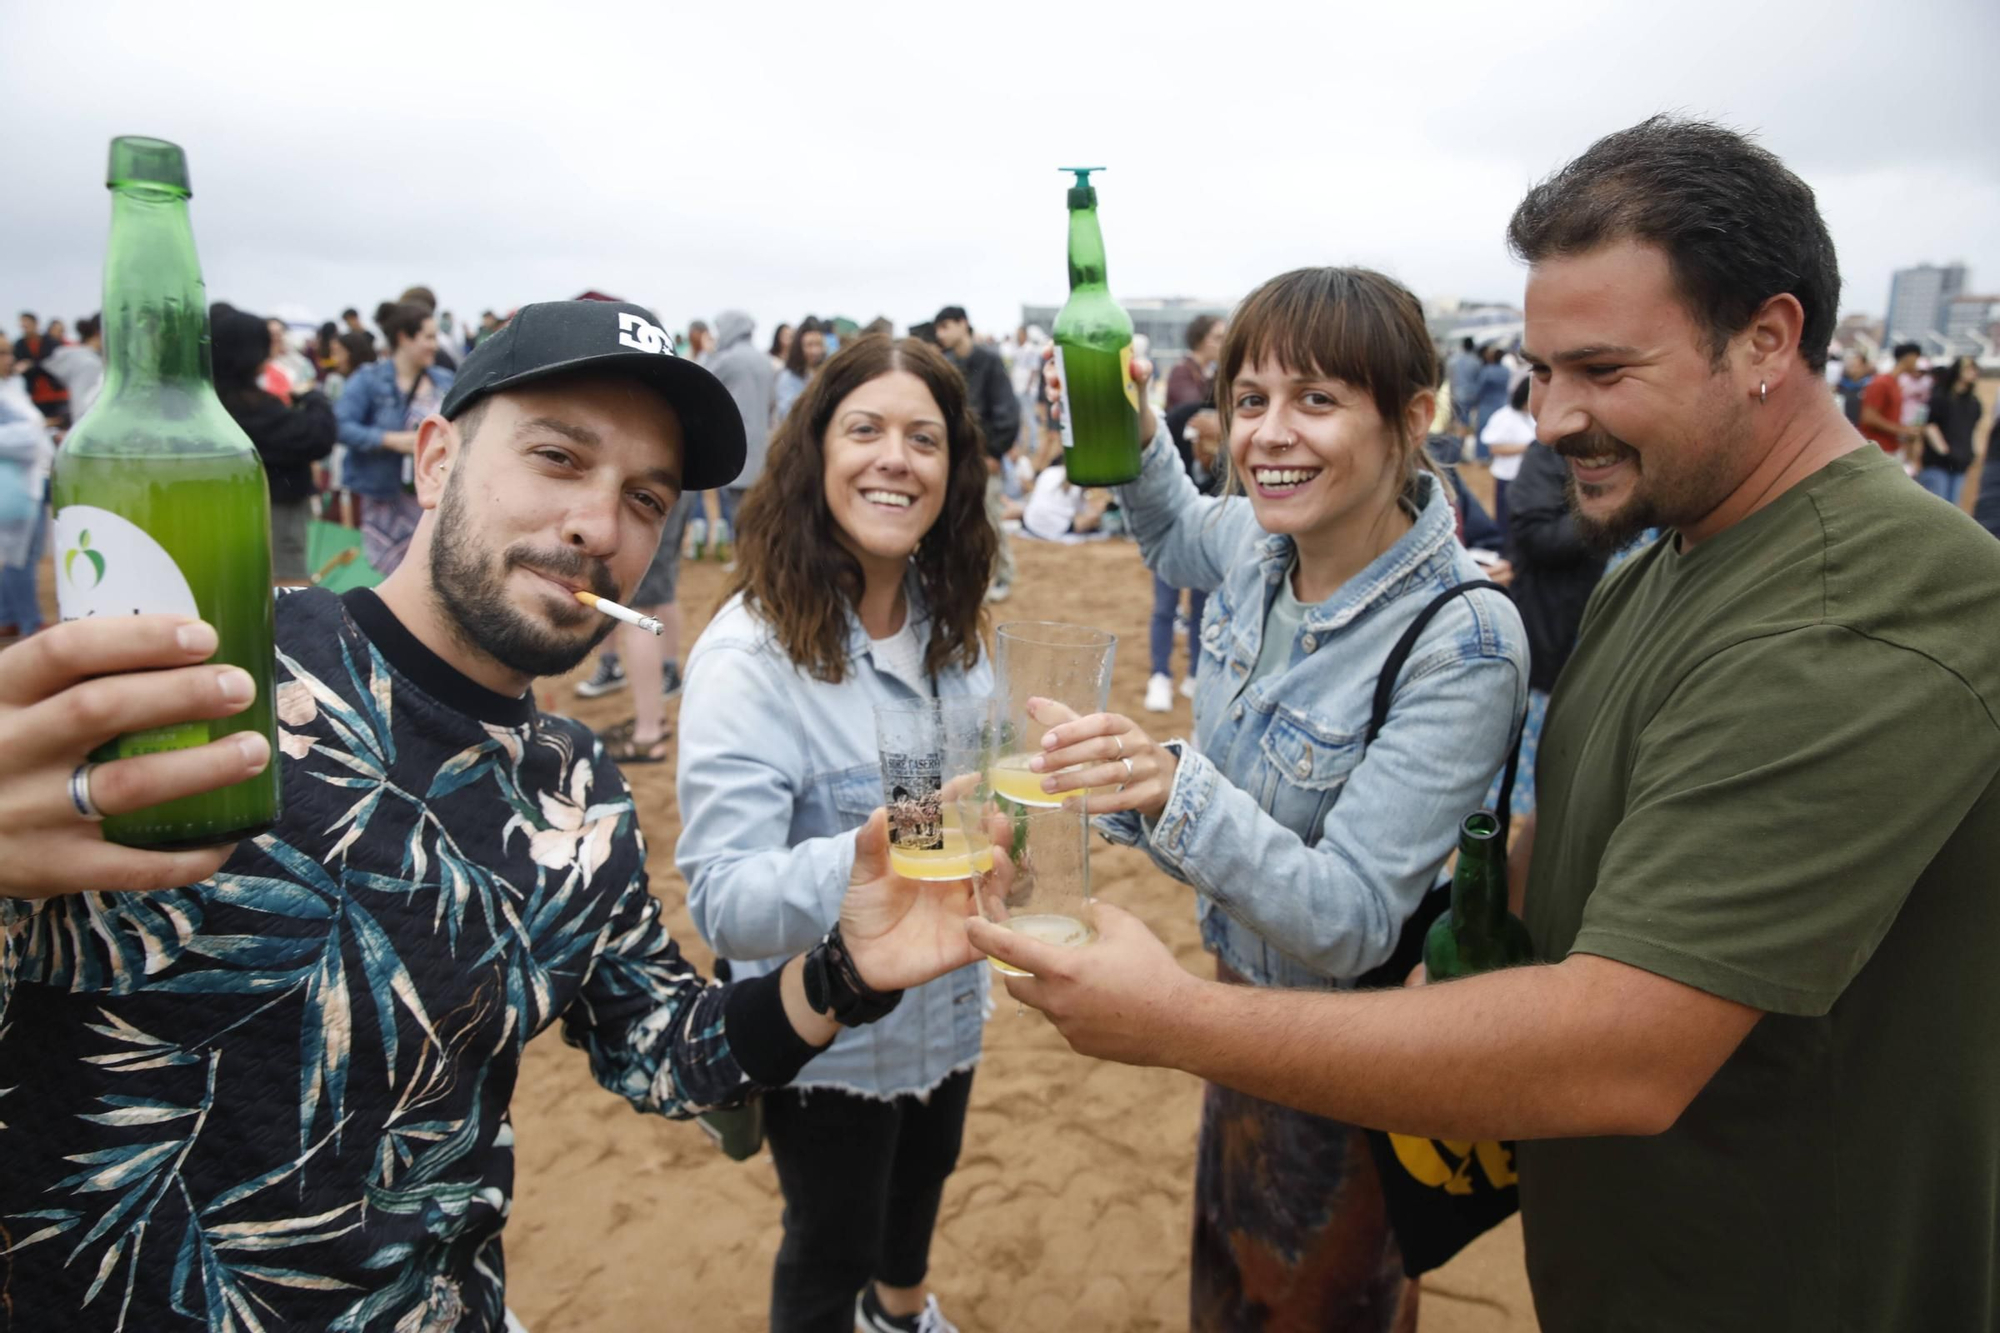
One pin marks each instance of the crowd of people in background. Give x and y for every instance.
(334, 411)
(334, 415)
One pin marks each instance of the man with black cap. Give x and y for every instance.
(278, 1095)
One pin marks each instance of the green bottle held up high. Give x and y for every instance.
(1093, 337)
(1478, 934)
(160, 500)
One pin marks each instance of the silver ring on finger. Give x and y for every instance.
(79, 793)
(1128, 771)
(1121, 746)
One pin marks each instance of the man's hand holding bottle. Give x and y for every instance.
(71, 688)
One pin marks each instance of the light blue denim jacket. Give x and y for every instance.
(369, 407)
(777, 771)
(1308, 856)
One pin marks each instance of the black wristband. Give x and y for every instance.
(835, 987)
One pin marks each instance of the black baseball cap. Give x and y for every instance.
(616, 338)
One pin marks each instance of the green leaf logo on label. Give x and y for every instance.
(82, 548)
(113, 567)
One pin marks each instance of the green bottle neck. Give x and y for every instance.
(1479, 886)
(155, 307)
(1086, 250)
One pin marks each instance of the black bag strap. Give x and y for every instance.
(1385, 684)
(1399, 656)
(1409, 949)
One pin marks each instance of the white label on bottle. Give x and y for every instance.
(1062, 393)
(107, 565)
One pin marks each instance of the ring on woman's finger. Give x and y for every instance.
(1128, 770)
(1121, 747)
(79, 793)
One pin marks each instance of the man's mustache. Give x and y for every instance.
(1591, 444)
(566, 564)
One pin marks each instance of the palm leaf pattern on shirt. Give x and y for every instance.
(410, 952)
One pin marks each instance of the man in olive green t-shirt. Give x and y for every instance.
(1753, 1079)
(1768, 773)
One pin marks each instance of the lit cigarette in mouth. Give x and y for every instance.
(617, 612)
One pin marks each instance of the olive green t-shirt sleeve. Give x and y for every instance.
(1782, 804)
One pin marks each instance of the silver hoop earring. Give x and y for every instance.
(1763, 392)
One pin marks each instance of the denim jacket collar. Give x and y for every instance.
(1429, 540)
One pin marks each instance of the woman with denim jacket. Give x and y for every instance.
(862, 559)
(380, 408)
(1307, 852)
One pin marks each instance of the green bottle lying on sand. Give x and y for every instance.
(1093, 338)
(160, 500)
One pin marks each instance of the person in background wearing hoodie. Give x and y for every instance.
(746, 372)
(26, 450)
(80, 365)
(290, 437)
(999, 413)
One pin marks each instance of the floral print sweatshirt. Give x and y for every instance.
(277, 1099)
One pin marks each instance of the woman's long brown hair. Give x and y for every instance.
(790, 564)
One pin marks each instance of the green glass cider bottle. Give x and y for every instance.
(160, 500)
(1093, 338)
(1478, 934)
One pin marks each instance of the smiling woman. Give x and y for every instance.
(867, 480)
(863, 557)
(1308, 842)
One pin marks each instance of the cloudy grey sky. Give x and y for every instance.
(866, 158)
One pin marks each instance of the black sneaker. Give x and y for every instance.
(609, 678)
(670, 680)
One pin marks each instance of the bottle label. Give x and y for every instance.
(107, 565)
(1062, 393)
(1125, 378)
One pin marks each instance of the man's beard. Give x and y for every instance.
(1608, 533)
(470, 586)
(1670, 500)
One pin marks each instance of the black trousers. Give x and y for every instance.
(862, 1180)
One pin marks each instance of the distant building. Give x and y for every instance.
(1971, 315)
(1162, 319)
(1918, 298)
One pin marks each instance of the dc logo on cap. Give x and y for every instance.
(641, 335)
